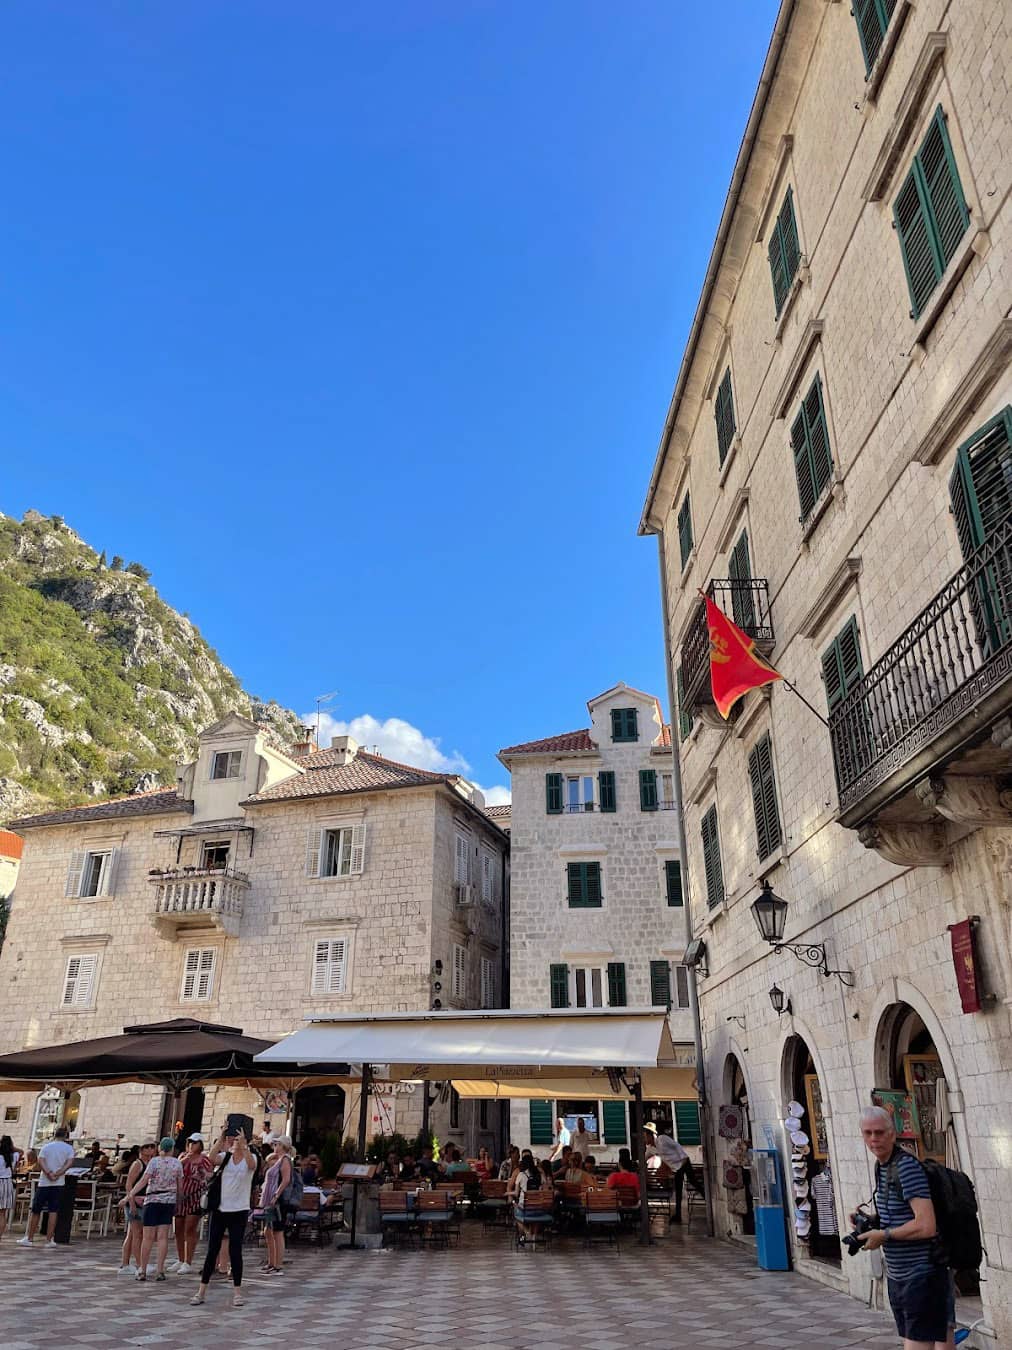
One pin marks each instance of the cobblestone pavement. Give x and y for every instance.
(481, 1295)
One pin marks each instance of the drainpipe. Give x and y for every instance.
(683, 850)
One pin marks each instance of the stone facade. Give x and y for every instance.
(901, 395)
(635, 924)
(396, 910)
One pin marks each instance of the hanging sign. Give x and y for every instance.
(964, 957)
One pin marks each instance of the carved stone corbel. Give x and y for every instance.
(907, 845)
(1001, 733)
(966, 800)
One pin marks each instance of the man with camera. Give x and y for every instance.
(920, 1292)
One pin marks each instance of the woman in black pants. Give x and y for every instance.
(237, 1172)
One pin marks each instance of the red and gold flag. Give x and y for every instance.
(735, 665)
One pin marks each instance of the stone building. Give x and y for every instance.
(11, 848)
(596, 912)
(264, 887)
(834, 469)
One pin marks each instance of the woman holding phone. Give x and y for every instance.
(235, 1170)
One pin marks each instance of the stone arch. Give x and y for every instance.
(797, 1041)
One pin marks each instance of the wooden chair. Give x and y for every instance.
(602, 1216)
(492, 1205)
(536, 1211)
(308, 1218)
(435, 1215)
(695, 1202)
(397, 1215)
(628, 1204)
(571, 1201)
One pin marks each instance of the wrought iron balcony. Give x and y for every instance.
(746, 601)
(935, 693)
(198, 896)
(577, 808)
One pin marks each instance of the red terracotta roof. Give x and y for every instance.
(365, 773)
(155, 802)
(498, 813)
(11, 845)
(569, 740)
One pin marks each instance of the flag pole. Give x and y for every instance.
(794, 690)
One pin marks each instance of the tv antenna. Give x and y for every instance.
(320, 701)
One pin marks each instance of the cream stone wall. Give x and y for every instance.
(635, 924)
(901, 395)
(398, 916)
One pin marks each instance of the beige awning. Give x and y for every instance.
(490, 1046)
(658, 1085)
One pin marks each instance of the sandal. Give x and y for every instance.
(237, 1300)
(160, 1275)
(141, 1277)
(197, 1301)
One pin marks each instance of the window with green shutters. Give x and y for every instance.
(616, 984)
(764, 798)
(542, 1115)
(980, 489)
(606, 789)
(673, 882)
(660, 984)
(685, 718)
(711, 858)
(930, 214)
(813, 460)
(685, 530)
(648, 789)
(784, 251)
(553, 794)
(841, 664)
(687, 1123)
(723, 413)
(614, 1121)
(584, 885)
(739, 572)
(558, 977)
(872, 21)
(624, 724)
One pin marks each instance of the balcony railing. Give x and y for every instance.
(746, 601)
(934, 690)
(193, 892)
(577, 808)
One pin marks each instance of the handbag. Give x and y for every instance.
(210, 1199)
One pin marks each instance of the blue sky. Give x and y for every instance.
(357, 324)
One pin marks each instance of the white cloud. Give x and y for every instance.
(495, 796)
(394, 738)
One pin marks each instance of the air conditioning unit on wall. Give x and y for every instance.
(463, 894)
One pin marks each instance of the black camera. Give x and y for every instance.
(863, 1224)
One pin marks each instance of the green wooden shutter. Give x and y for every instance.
(685, 530)
(723, 412)
(624, 724)
(558, 976)
(802, 465)
(685, 718)
(764, 798)
(606, 789)
(660, 984)
(981, 492)
(687, 1123)
(592, 873)
(740, 575)
(711, 858)
(542, 1115)
(673, 882)
(789, 236)
(949, 215)
(553, 794)
(910, 217)
(872, 21)
(616, 984)
(778, 272)
(813, 460)
(648, 789)
(575, 885)
(613, 1120)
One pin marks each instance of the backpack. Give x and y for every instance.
(291, 1196)
(958, 1242)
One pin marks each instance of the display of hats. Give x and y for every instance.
(803, 1226)
(801, 1189)
(802, 1208)
(790, 1125)
(795, 1109)
(799, 1139)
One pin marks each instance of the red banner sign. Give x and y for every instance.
(964, 958)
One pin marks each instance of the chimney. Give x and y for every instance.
(345, 749)
(304, 745)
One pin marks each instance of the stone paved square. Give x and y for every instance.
(685, 1291)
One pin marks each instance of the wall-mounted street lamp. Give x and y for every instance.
(770, 914)
(781, 1004)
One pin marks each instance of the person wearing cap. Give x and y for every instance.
(277, 1180)
(161, 1183)
(672, 1155)
(197, 1169)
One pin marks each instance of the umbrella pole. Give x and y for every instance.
(642, 1156)
(363, 1109)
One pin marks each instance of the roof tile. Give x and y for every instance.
(364, 773)
(156, 802)
(569, 740)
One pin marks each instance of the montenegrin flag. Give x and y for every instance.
(735, 665)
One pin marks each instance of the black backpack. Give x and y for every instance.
(958, 1243)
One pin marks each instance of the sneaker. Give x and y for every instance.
(51, 1245)
(237, 1300)
(127, 1270)
(182, 1268)
(152, 1268)
(24, 1242)
(172, 1266)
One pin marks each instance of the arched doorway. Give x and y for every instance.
(736, 1129)
(910, 1082)
(811, 1181)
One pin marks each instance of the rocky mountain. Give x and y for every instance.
(103, 686)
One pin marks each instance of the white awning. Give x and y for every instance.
(489, 1046)
(658, 1085)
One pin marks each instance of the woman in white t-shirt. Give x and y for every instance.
(236, 1169)
(8, 1162)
